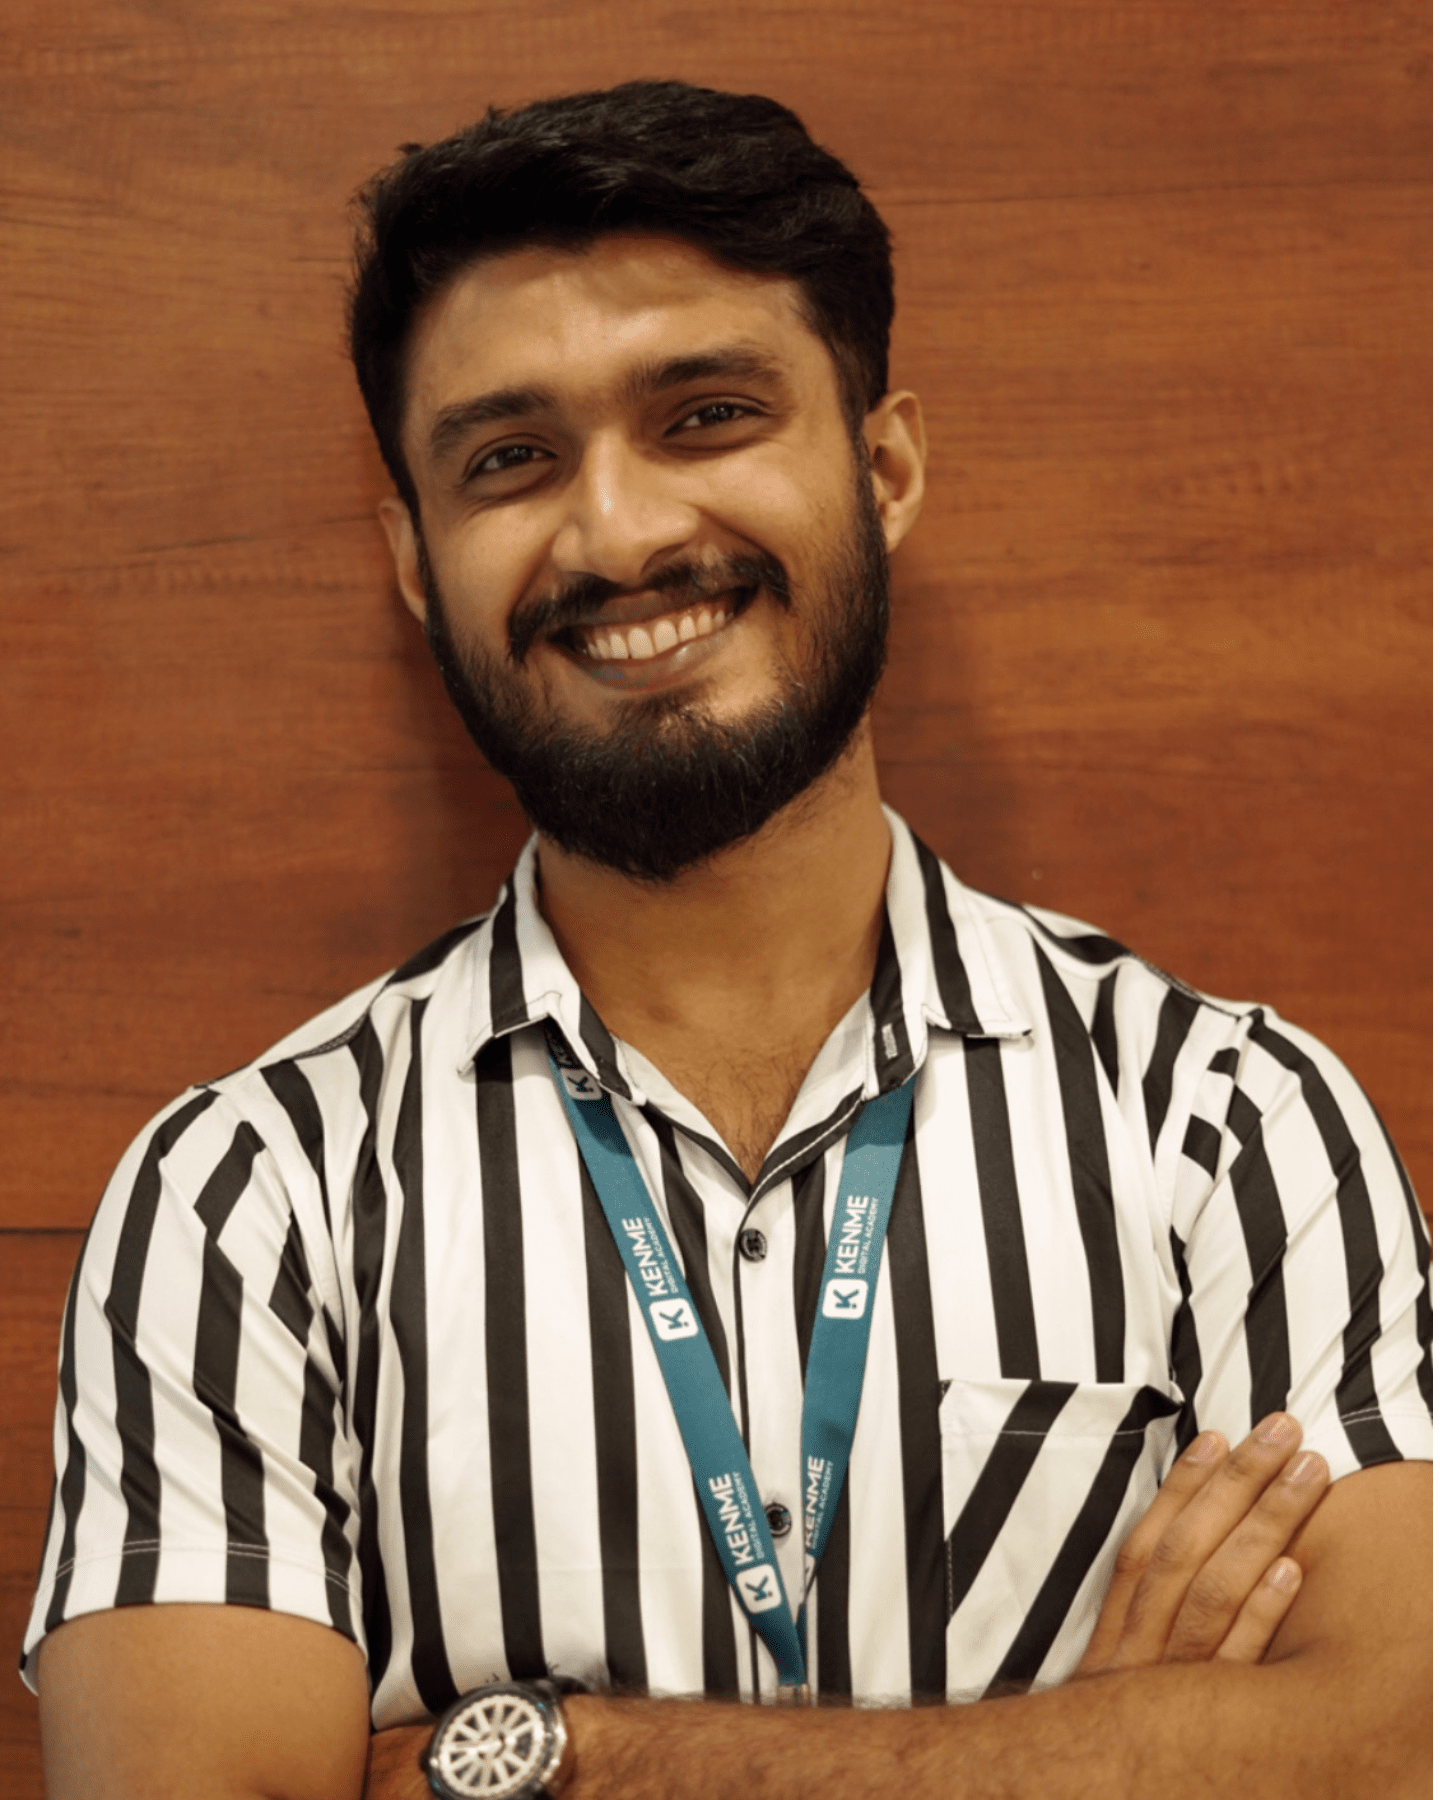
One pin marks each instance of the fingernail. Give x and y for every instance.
(1279, 1428)
(1308, 1467)
(1206, 1448)
(1285, 1575)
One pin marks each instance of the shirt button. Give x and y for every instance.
(753, 1245)
(779, 1518)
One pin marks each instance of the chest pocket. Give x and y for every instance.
(1043, 1481)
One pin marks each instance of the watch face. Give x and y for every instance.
(494, 1745)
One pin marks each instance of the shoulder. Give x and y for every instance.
(440, 976)
(1180, 1041)
(443, 969)
(1053, 971)
(287, 1127)
(1227, 1096)
(1194, 1075)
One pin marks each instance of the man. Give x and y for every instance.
(745, 1263)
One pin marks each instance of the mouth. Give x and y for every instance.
(660, 635)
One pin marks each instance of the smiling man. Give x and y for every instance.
(746, 1263)
(579, 671)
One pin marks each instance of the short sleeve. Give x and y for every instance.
(200, 1444)
(1302, 1257)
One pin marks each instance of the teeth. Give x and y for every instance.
(641, 643)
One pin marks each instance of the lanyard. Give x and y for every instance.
(835, 1368)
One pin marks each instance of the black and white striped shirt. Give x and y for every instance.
(349, 1337)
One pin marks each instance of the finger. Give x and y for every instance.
(1188, 1474)
(1197, 1532)
(1223, 1587)
(1260, 1618)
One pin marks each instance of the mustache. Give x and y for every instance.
(690, 582)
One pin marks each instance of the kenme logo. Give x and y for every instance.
(852, 1253)
(673, 1319)
(760, 1588)
(818, 1471)
(649, 1259)
(844, 1299)
(580, 1084)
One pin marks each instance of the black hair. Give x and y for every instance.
(736, 175)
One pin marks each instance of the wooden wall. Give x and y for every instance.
(1161, 649)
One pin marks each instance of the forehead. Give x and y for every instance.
(577, 321)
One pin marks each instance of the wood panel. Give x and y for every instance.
(1161, 638)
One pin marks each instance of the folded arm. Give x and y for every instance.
(1339, 1708)
(228, 1703)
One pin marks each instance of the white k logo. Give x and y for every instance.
(760, 1589)
(845, 1299)
(673, 1319)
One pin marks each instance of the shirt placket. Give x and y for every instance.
(771, 1394)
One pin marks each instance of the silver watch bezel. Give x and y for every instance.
(538, 1699)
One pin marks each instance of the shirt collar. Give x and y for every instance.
(940, 963)
(520, 978)
(939, 968)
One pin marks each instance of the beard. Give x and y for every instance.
(668, 786)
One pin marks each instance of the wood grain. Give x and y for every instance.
(1161, 639)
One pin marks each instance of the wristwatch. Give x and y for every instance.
(506, 1741)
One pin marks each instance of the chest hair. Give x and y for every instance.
(746, 1098)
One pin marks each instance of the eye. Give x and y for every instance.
(508, 456)
(715, 412)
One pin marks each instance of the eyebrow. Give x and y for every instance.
(737, 362)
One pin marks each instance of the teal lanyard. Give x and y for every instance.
(835, 1368)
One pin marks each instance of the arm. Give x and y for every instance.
(229, 1703)
(184, 1697)
(1195, 1581)
(1339, 1708)
(201, 1703)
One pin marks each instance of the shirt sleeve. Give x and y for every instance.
(200, 1444)
(1302, 1257)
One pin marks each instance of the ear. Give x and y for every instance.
(405, 550)
(895, 433)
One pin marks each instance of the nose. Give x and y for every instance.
(622, 517)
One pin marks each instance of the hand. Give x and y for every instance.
(1202, 1576)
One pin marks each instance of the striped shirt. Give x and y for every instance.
(349, 1337)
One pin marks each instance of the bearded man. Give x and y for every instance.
(746, 1264)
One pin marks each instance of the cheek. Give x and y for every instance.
(482, 578)
(797, 521)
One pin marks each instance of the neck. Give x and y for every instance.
(732, 976)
